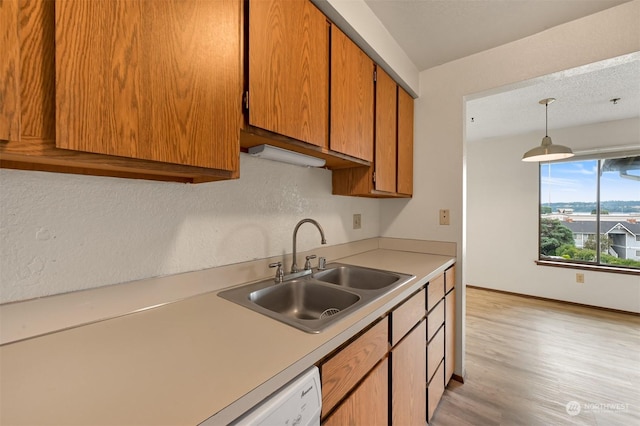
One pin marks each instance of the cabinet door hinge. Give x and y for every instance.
(373, 177)
(245, 100)
(375, 75)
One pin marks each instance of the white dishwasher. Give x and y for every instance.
(298, 403)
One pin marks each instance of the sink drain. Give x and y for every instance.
(329, 312)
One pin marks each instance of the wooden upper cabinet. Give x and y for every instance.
(157, 80)
(352, 97)
(385, 135)
(391, 174)
(37, 70)
(9, 71)
(289, 69)
(405, 142)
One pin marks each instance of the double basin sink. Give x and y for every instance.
(319, 299)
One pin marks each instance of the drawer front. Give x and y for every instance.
(435, 291)
(435, 353)
(340, 373)
(450, 278)
(435, 391)
(405, 316)
(435, 319)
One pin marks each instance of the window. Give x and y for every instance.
(590, 211)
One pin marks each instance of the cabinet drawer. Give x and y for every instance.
(435, 319)
(449, 278)
(435, 391)
(435, 291)
(435, 353)
(405, 316)
(341, 372)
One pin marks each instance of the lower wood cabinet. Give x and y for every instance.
(435, 391)
(408, 379)
(435, 320)
(395, 372)
(405, 316)
(342, 372)
(435, 291)
(368, 404)
(435, 353)
(440, 336)
(449, 335)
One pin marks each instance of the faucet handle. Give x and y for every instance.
(307, 264)
(279, 272)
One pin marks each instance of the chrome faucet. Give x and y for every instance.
(294, 265)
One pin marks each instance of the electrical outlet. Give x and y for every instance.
(357, 221)
(444, 217)
(580, 278)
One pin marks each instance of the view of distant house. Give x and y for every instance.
(624, 233)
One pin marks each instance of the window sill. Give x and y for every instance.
(587, 267)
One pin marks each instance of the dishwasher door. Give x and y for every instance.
(298, 403)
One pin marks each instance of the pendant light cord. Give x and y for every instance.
(546, 118)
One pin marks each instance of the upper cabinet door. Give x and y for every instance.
(151, 79)
(9, 71)
(37, 70)
(405, 142)
(351, 98)
(386, 125)
(289, 69)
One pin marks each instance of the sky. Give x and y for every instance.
(577, 181)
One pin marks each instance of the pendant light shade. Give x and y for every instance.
(547, 151)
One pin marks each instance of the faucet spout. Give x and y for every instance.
(294, 265)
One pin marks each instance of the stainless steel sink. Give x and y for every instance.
(358, 277)
(314, 302)
(304, 300)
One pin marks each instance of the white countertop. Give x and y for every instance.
(180, 363)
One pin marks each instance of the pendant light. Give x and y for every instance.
(547, 151)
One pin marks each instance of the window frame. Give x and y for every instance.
(575, 263)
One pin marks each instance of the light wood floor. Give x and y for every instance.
(527, 358)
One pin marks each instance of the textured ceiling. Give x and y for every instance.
(583, 96)
(433, 32)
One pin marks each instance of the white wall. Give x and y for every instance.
(502, 220)
(60, 233)
(439, 116)
(439, 111)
